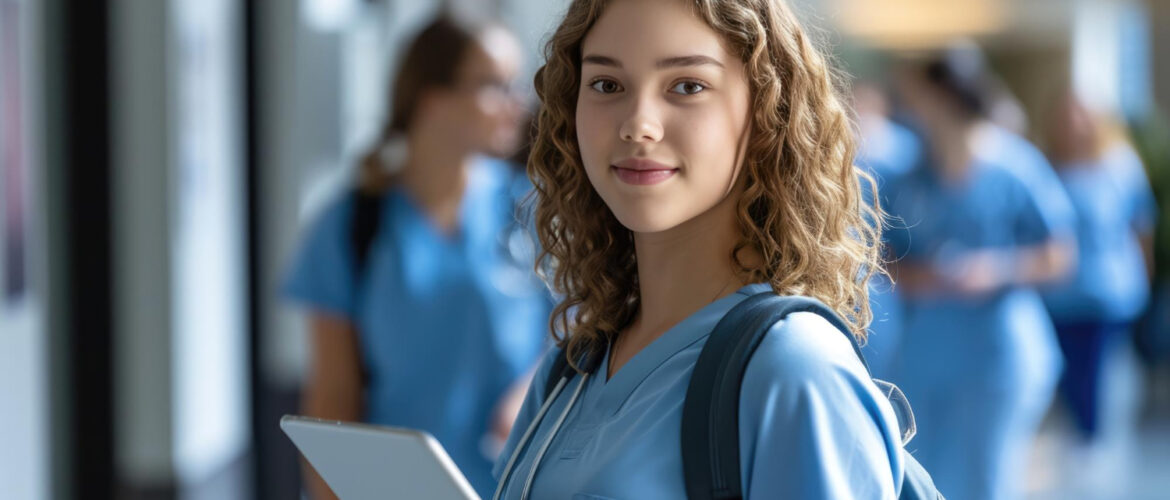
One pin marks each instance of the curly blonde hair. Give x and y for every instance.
(801, 210)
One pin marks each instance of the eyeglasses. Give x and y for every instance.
(493, 88)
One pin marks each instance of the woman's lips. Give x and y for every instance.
(642, 172)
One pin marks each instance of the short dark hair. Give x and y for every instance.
(961, 72)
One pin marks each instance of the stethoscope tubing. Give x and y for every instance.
(528, 433)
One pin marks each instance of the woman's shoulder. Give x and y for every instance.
(497, 172)
(803, 350)
(328, 209)
(320, 273)
(498, 181)
(540, 377)
(807, 405)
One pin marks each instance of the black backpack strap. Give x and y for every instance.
(562, 369)
(367, 215)
(366, 218)
(710, 421)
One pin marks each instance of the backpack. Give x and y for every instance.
(363, 227)
(364, 220)
(710, 420)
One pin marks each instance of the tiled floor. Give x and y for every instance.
(1132, 459)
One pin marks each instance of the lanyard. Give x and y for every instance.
(532, 430)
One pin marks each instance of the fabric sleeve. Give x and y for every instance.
(812, 423)
(321, 275)
(1044, 210)
(532, 402)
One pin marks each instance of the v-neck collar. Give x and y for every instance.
(697, 326)
(471, 209)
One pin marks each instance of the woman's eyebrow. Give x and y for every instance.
(695, 60)
(601, 60)
(670, 62)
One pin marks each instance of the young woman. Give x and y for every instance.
(1095, 307)
(690, 154)
(986, 223)
(442, 315)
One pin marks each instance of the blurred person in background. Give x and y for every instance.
(889, 151)
(1096, 305)
(985, 225)
(422, 306)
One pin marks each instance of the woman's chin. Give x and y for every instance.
(646, 221)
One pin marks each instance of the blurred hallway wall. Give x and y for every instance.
(25, 426)
(179, 345)
(142, 132)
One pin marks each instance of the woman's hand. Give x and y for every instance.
(980, 272)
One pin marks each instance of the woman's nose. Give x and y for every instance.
(641, 127)
(642, 124)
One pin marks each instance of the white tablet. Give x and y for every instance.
(368, 462)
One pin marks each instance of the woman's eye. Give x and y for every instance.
(688, 88)
(606, 86)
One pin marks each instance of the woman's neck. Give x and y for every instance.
(954, 145)
(683, 269)
(435, 177)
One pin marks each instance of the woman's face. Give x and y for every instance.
(483, 112)
(1072, 133)
(921, 98)
(662, 114)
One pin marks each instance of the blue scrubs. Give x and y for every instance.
(1114, 205)
(889, 152)
(1097, 304)
(446, 322)
(1029, 165)
(979, 372)
(812, 424)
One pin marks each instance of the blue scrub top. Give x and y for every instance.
(446, 322)
(1011, 151)
(889, 152)
(992, 339)
(1114, 205)
(812, 423)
